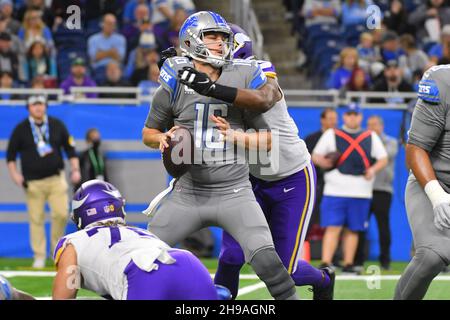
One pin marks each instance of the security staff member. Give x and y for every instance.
(39, 140)
(348, 184)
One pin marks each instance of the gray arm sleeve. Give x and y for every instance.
(160, 115)
(428, 122)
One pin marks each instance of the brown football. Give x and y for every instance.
(178, 157)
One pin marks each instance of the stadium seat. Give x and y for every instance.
(351, 34)
(66, 38)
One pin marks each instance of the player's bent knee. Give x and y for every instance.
(271, 271)
(430, 262)
(233, 256)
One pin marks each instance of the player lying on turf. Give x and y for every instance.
(122, 262)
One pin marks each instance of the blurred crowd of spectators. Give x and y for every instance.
(118, 43)
(412, 36)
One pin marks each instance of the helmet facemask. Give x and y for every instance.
(201, 52)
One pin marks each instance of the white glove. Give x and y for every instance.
(440, 200)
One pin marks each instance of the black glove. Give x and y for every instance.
(166, 54)
(196, 80)
(201, 83)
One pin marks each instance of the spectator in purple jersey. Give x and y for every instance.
(78, 78)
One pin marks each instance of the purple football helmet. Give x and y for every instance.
(96, 200)
(243, 48)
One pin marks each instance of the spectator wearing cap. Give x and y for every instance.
(6, 13)
(105, 46)
(114, 79)
(428, 18)
(436, 51)
(414, 59)
(348, 183)
(396, 18)
(39, 62)
(391, 81)
(39, 140)
(348, 62)
(78, 78)
(140, 58)
(34, 29)
(9, 60)
(390, 46)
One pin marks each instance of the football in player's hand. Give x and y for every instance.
(178, 157)
(334, 157)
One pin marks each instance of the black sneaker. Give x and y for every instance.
(327, 292)
(350, 269)
(386, 266)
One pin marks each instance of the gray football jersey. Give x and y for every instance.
(289, 153)
(217, 164)
(430, 125)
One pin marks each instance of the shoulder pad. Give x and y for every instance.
(268, 68)
(169, 72)
(428, 91)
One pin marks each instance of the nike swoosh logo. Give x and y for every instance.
(78, 203)
(287, 190)
(206, 81)
(237, 190)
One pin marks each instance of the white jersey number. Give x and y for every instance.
(206, 133)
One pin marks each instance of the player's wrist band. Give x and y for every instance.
(435, 192)
(224, 93)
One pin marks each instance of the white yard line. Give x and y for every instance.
(250, 289)
(10, 274)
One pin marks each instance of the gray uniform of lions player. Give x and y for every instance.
(428, 206)
(215, 194)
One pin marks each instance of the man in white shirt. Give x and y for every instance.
(353, 156)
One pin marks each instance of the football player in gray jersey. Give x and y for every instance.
(427, 195)
(216, 189)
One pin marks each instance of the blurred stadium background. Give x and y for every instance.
(308, 41)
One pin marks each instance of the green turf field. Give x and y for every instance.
(347, 287)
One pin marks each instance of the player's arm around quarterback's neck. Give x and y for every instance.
(262, 99)
(213, 73)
